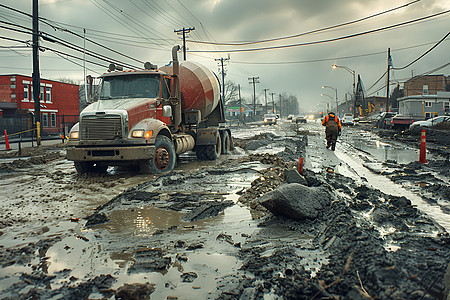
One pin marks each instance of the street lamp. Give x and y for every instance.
(335, 91)
(348, 70)
(327, 103)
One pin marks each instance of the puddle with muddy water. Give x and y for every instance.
(155, 227)
(380, 150)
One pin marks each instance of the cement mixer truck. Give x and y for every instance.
(146, 118)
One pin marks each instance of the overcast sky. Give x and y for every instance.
(144, 30)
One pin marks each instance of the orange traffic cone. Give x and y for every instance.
(7, 141)
(423, 148)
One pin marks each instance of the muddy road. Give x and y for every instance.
(366, 221)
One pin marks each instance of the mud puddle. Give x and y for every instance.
(381, 150)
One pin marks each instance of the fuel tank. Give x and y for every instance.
(199, 87)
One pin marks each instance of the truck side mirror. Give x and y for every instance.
(167, 111)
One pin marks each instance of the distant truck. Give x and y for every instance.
(145, 118)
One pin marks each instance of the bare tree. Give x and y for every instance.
(231, 92)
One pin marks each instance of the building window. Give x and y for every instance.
(428, 115)
(41, 95)
(428, 103)
(32, 93)
(425, 90)
(25, 92)
(45, 120)
(53, 119)
(13, 86)
(446, 105)
(48, 94)
(13, 78)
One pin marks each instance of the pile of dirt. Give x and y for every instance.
(242, 143)
(30, 156)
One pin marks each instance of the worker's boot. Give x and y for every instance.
(333, 146)
(328, 144)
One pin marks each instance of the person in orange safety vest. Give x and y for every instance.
(332, 129)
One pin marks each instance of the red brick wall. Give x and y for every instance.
(5, 89)
(64, 98)
(435, 83)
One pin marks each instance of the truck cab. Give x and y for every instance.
(122, 126)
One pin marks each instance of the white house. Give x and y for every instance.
(425, 106)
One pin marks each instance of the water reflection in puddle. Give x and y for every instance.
(383, 151)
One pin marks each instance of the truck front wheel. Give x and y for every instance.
(164, 159)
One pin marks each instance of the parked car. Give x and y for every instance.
(299, 119)
(270, 119)
(384, 119)
(348, 120)
(430, 122)
(402, 121)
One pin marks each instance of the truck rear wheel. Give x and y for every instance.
(213, 152)
(164, 159)
(226, 143)
(84, 167)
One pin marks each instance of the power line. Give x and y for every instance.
(62, 42)
(417, 76)
(382, 76)
(130, 23)
(329, 40)
(332, 58)
(309, 32)
(426, 52)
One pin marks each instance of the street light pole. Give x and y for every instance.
(336, 96)
(328, 105)
(351, 72)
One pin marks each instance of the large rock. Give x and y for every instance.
(296, 201)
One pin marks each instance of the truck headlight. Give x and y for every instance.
(74, 135)
(137, 133)
(142, 134)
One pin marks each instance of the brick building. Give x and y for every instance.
(59, 102)
(426, 85)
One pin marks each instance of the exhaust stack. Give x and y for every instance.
(175, 91)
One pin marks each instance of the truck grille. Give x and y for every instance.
(105, 128)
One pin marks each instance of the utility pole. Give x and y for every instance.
(281, 104)
(183, 32)
(387, 85)
(240, 102)
(36, 76)
(265, 98)
(254, 80)
(273, 103)
(223, 77)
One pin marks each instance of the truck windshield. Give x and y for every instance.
(130, 86)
